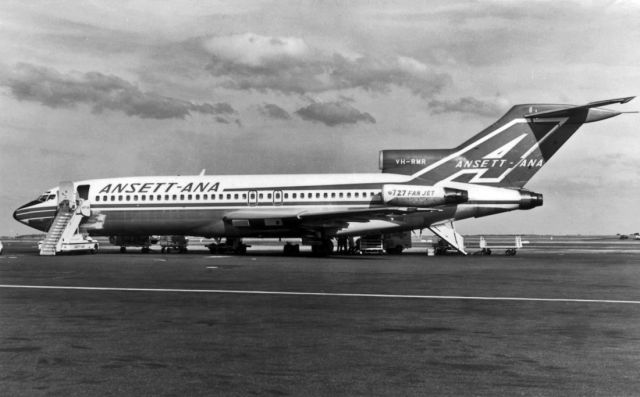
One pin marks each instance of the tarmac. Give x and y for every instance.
(561, 318)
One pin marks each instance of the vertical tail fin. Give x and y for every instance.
(506, 154)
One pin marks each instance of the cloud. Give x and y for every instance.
(102, 92)
(466, 105)
(289, 65)
(274, 111)
(334, 113)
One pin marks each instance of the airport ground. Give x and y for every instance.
(560, 318)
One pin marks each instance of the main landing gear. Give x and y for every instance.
(291, 249)
(322, 248)
(230, 246)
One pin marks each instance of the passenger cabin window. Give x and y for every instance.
(97, 198)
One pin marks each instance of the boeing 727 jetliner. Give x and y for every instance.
(417, 189)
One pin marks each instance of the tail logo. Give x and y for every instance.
(501, 151)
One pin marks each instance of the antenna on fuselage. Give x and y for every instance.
(202, 172)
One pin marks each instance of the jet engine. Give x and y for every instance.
(422, 196)
(529, 199)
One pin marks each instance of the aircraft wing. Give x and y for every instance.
(315, 218)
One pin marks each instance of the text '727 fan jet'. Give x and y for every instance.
(417, 189)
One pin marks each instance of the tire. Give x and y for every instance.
(323, 249)
(123, 250)
(397, 250)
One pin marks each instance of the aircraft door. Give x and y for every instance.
(277, 197)
(67, 192)
(83, 192)
(253, 198)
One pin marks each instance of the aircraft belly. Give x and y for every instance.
(161, 222)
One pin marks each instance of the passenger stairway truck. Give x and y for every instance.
(63, 234)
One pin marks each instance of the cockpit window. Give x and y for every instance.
(45, 197)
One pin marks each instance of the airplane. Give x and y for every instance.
(417, 189)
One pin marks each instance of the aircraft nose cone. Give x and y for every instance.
(18, 214)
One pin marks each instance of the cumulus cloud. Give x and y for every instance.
(289, 65)
(466, 105)
(274, 111)
(102, 92)
(333, 113)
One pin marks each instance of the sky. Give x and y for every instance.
(97, 89)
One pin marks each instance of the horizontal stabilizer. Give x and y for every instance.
(573, 110)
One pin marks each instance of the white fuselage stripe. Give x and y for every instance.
(326, 294)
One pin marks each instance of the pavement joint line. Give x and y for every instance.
(329, 294)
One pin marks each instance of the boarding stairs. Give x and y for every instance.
(63, 228)
(447, 232)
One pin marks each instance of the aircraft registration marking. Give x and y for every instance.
(326, 294)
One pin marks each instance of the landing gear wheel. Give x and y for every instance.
(163, 249)
(323, 249)
(291, 249)
(145, 250)
(397, 250)
(123, 250)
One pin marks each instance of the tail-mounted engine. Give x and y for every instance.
(422, 196)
